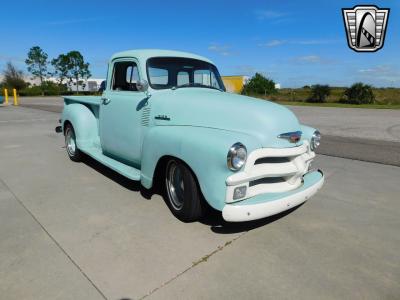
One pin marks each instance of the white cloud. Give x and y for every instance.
(269, 14)
(382, 69)
(309, 59)
(312, 59)
(223, 50)
(383, 73)
(274, 43)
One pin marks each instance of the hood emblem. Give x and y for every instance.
(292, 137)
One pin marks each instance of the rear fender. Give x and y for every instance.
(84, 122)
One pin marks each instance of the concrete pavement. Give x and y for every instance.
(80, 231)
(342, 244)
(362, 123)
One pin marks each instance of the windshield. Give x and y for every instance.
(179, 72)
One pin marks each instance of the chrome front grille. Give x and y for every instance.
(271, 170)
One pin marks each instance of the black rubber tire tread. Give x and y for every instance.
(193, 205)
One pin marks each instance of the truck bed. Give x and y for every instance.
(91, 100)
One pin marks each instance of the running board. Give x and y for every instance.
(125, 170)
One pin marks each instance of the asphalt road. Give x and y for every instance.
(364, 134)
(80, 231)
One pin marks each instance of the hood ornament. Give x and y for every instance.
(292, 137)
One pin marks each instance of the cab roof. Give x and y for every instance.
(144, 54)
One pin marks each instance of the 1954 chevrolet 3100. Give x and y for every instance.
(165, 116)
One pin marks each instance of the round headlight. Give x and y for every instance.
(237, 156)
(315, 140)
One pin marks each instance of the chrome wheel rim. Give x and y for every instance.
(175, 185)
(70, 142)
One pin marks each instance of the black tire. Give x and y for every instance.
(182, 192)
(70, 144)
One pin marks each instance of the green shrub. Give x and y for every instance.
(48, 88)
(319, 93)
(13, 78)
(31, 91)
(359, 93)
(260, 85)
(81, 93)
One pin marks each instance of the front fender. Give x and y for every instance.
(307, 132)
(203, 149)
(84, 122)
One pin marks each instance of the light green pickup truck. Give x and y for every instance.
(165, 117)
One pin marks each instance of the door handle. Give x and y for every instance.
(105, 100)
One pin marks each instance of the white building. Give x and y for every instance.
(89, 85)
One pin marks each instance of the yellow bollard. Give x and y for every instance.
(15, 97)
(5, 97)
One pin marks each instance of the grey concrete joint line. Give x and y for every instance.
(194, 264)
(53, 239)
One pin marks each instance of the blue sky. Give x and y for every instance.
(293, 42)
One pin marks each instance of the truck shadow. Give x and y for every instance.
(131, 185)
(212, 218)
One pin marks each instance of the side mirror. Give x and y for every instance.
(142, 85)
(102, 86)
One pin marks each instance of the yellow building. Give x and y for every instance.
(234, 84)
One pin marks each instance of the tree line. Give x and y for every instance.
(68, 68)
(358, 93)
(72, 68)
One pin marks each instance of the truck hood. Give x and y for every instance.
(204, 107)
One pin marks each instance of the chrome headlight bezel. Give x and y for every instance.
(315, 140)
(237, 156)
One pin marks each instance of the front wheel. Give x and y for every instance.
(70, 144)
(182, 191)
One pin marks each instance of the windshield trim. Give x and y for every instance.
(219, 79)
(196, 85)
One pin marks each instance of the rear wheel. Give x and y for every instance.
(183, 194)
(70, 144)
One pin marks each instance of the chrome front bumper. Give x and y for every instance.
(266, 205)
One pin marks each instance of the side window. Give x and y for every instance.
(183, 78)
(125, 76)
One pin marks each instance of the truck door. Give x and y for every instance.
(120, 114)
